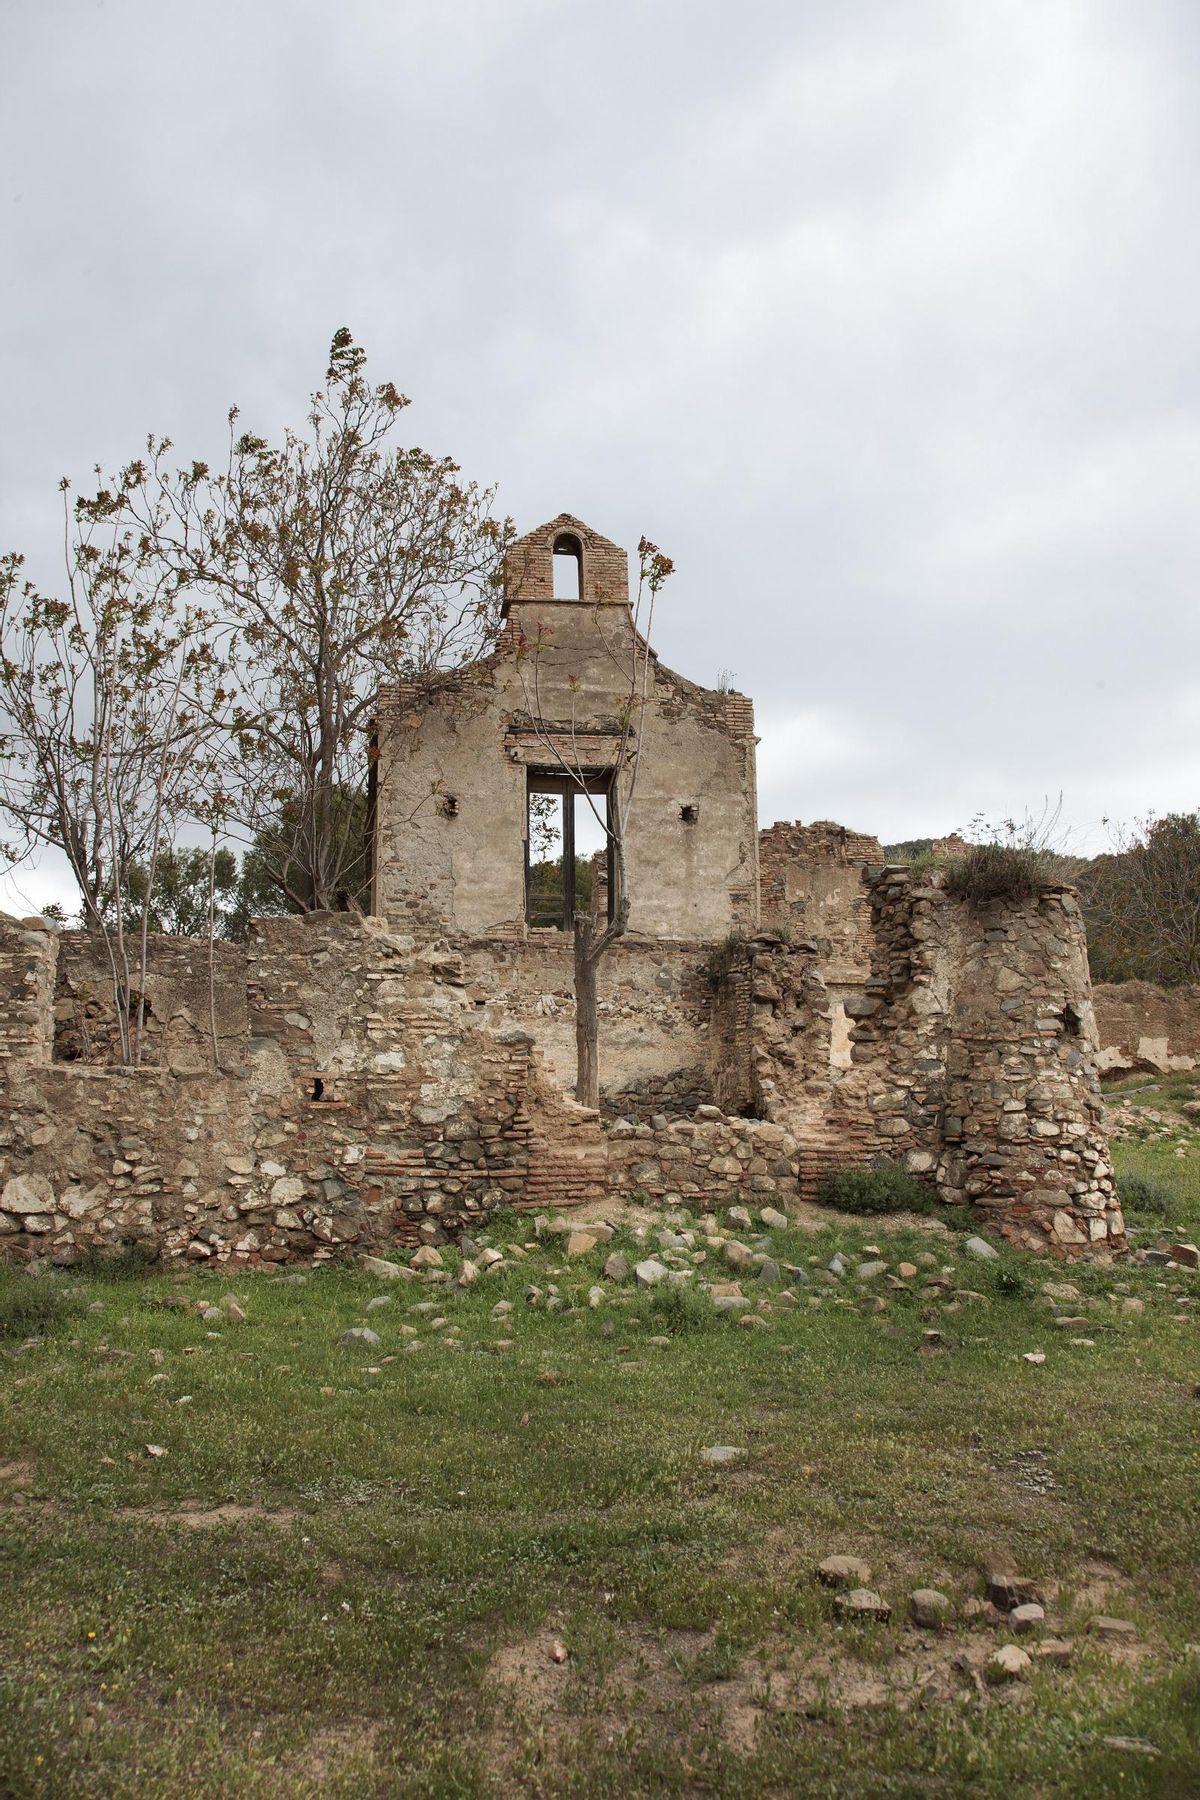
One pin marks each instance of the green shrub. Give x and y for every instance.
(1014, 1281)
(997, 872)
(674, 1311)
(130, 1262)
(30, 1307)
(885, 1188)
(1147, 1196)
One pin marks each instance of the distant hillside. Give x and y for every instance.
(908, 852)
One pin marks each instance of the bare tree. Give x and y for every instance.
(1142, 902)
(592, 937)
(106, 710)
(337, 563)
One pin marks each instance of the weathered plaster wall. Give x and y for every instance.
(183, 1010)
(811, 883)
(452, 774)
(655, 1002)
(1142, 1026)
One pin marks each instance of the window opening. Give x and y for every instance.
(566, 847)
(568, 567)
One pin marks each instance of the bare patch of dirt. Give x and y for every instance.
(647, 1679)
(17, 1474)
(205, 1518)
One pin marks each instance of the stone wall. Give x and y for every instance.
(977, 1047)
(373, 1084)
(1142, 1026)
(367, 1100)
(810, 880)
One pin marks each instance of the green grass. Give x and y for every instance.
(377, 1620)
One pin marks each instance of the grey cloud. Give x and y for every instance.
(881, 318)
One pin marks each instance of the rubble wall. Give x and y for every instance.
(369, 1084)
(977, 1055)
(367, 1099)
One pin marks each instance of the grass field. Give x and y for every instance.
(352, 1569)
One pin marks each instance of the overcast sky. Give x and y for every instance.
(880, 316)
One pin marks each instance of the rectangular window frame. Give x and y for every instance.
(597, 783)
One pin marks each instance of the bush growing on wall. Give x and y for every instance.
(992, 872)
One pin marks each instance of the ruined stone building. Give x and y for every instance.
(783, 1003)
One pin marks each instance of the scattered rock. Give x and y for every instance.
(427, 1257)
(376, 1265)
(843, 1572)
(1009, 1663)
(977, 1246)
(616, 1268)
(558, 1652)
(1107, 1627)
(906, 1270)
(737, 1255)
(751, 1321)
(378, 1301)
(1187, 1254)
(1036, 1357)
(1131, 1746)
(579, 1243)
(1061, 1290)
(929, 1608)
(863, 1603)
(1131, 1307)
(721, 1456)
(1008, 1591)
(650, 1272)
(1027, 1617)
(868, 1270)
(773, 1219)
(1055, 1650)
(356, 1336)
(27, 1195)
